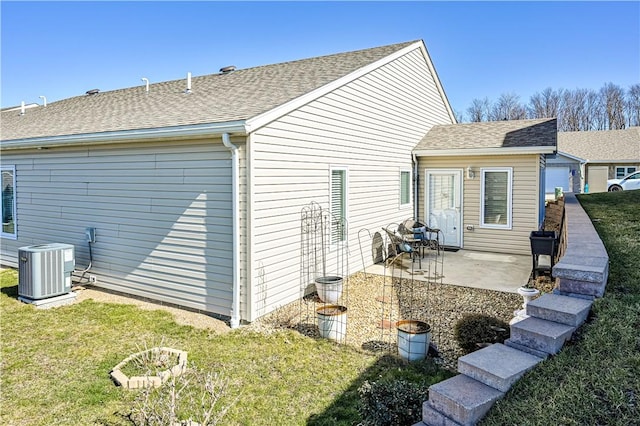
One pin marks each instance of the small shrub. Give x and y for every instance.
(194, 396)
(391, 402)
(473, 331)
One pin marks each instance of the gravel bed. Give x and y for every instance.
(376, 302)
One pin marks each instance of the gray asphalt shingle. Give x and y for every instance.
(602, 145)
(491, 134)
(215, 98)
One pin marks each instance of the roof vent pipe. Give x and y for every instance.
(227, 70)
(146, 81)
(44, 100)
(22, 108)
(188, 83)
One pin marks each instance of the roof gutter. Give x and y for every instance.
(459, 152)
(235, 210)
(193, 130)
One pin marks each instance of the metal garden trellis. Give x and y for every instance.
(324, 271)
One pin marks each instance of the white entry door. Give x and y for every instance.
(443, 201)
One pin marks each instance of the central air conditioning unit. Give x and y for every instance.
(45, 270)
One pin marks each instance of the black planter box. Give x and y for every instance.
(543, 242)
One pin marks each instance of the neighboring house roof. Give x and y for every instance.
(565, 156)
(490, 137)
(229, 98)
(602, 146)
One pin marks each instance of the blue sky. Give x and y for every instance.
(479, 49)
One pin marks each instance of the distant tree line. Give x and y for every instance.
(609, 108)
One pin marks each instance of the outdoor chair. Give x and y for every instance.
(428, 236)
(399, 245)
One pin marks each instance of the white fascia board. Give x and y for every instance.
(625, 161)
(194, 130)
(279, 111)
(466, 152)
(572, 157)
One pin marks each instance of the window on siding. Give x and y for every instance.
(496, 203)
(622, 171)
(405, 187)
(338, 204)
(9, 202)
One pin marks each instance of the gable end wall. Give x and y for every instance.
(370, 126)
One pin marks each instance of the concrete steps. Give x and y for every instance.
(541, 335)
(462, 399)
(567, 310)
(498, 366)
(487, 374)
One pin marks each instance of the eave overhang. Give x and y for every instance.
(466, 152)
(124, 136)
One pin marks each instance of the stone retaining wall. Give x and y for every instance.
(584, 268)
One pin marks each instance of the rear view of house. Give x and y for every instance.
(195, 186)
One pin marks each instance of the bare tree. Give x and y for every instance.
(577, 110)
(546, 104)
(613, 100)
(593, 117)
(479, 110)
(572, 110)
(633, 105)
(508, 107)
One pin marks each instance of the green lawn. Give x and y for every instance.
(595, 380)
(55, 366)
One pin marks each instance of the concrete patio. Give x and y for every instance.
(491, 271)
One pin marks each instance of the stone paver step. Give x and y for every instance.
(541, 335)
(534, 352)
(563, 309)
(463, 399)
(498, 366)
(433, 417)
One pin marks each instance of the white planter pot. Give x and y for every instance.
(332, 322)
(413, 339)
(329, 288)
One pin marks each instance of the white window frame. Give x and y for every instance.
(14, 235)
(627, 171)
(345, 205)
(509, 171)
(410, 189)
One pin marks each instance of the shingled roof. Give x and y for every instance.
(602, 146)
(490, 137)
(215, 98)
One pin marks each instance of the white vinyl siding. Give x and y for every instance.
(372, 123)
(9, 222)
(405, 187)
(162, 213)
(338, 204)
(496, 204)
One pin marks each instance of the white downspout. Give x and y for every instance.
(235, 215)
(416, 181)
